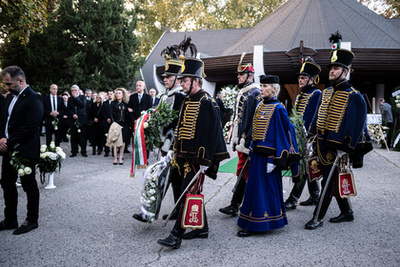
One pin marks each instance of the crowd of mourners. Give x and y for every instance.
(84, 118)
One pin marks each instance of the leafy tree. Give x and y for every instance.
(104, 43)
(387, 8)
(89, 43)
(21, 18)
(157, 16)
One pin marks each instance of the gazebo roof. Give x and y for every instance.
(314, 21)
(208, 43)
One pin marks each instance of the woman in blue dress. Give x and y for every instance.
(273, 149)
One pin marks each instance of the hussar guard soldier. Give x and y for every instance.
(199, 143)
(245, 104)
(173, 97)
(340, 126)
(305, 105)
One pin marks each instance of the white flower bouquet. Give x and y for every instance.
(19, 164)
(50, 159)
(229, 93)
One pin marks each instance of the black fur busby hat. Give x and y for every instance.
(269, 79)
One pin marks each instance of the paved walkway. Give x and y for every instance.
(87, 221)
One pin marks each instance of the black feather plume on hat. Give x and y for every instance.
(170, 52)
(335, 37)
(185, 45)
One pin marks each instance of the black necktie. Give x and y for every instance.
(54, 103)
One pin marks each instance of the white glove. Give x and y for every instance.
(340, 153)
(309, 146)
(270, 167)
(203, 168)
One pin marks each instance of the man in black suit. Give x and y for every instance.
(222, 108)
(78, 121)
(106, 118)
(154, 99)
(139, 101)
(53, 109)
(19, 131)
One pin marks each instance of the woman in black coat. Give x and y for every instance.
(95, 116)
(119, 114)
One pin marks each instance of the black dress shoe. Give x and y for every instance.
(343, 217)
(171, 241)
(4, 225)
(309, 202)
(93, 153)
(230, 210)
(198, 233)
(73, 155)
(311, 225)
(26, 227)
(84, 155)
(99, 152)
(289, 205)
(139, 217)
(244, 233)
(173, 217)
(106, 154)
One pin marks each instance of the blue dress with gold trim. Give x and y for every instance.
(274, 141)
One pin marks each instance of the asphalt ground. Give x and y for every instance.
(87, 221)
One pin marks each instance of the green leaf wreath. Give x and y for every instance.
(159, 119)
(301, 136)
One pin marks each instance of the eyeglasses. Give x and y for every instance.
(9, 84)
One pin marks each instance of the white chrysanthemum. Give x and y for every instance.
(53, 156)
(152, 198)
(52, 145)
(43, 148)
(27, 170)
(21, 172)
(62, 154)
(59, 149)
(145, 125)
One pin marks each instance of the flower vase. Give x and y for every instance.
(50, 184)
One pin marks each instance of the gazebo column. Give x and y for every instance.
(258, 62)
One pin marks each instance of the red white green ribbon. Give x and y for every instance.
(139, 154)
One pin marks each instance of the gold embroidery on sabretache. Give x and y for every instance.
(261, 120)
